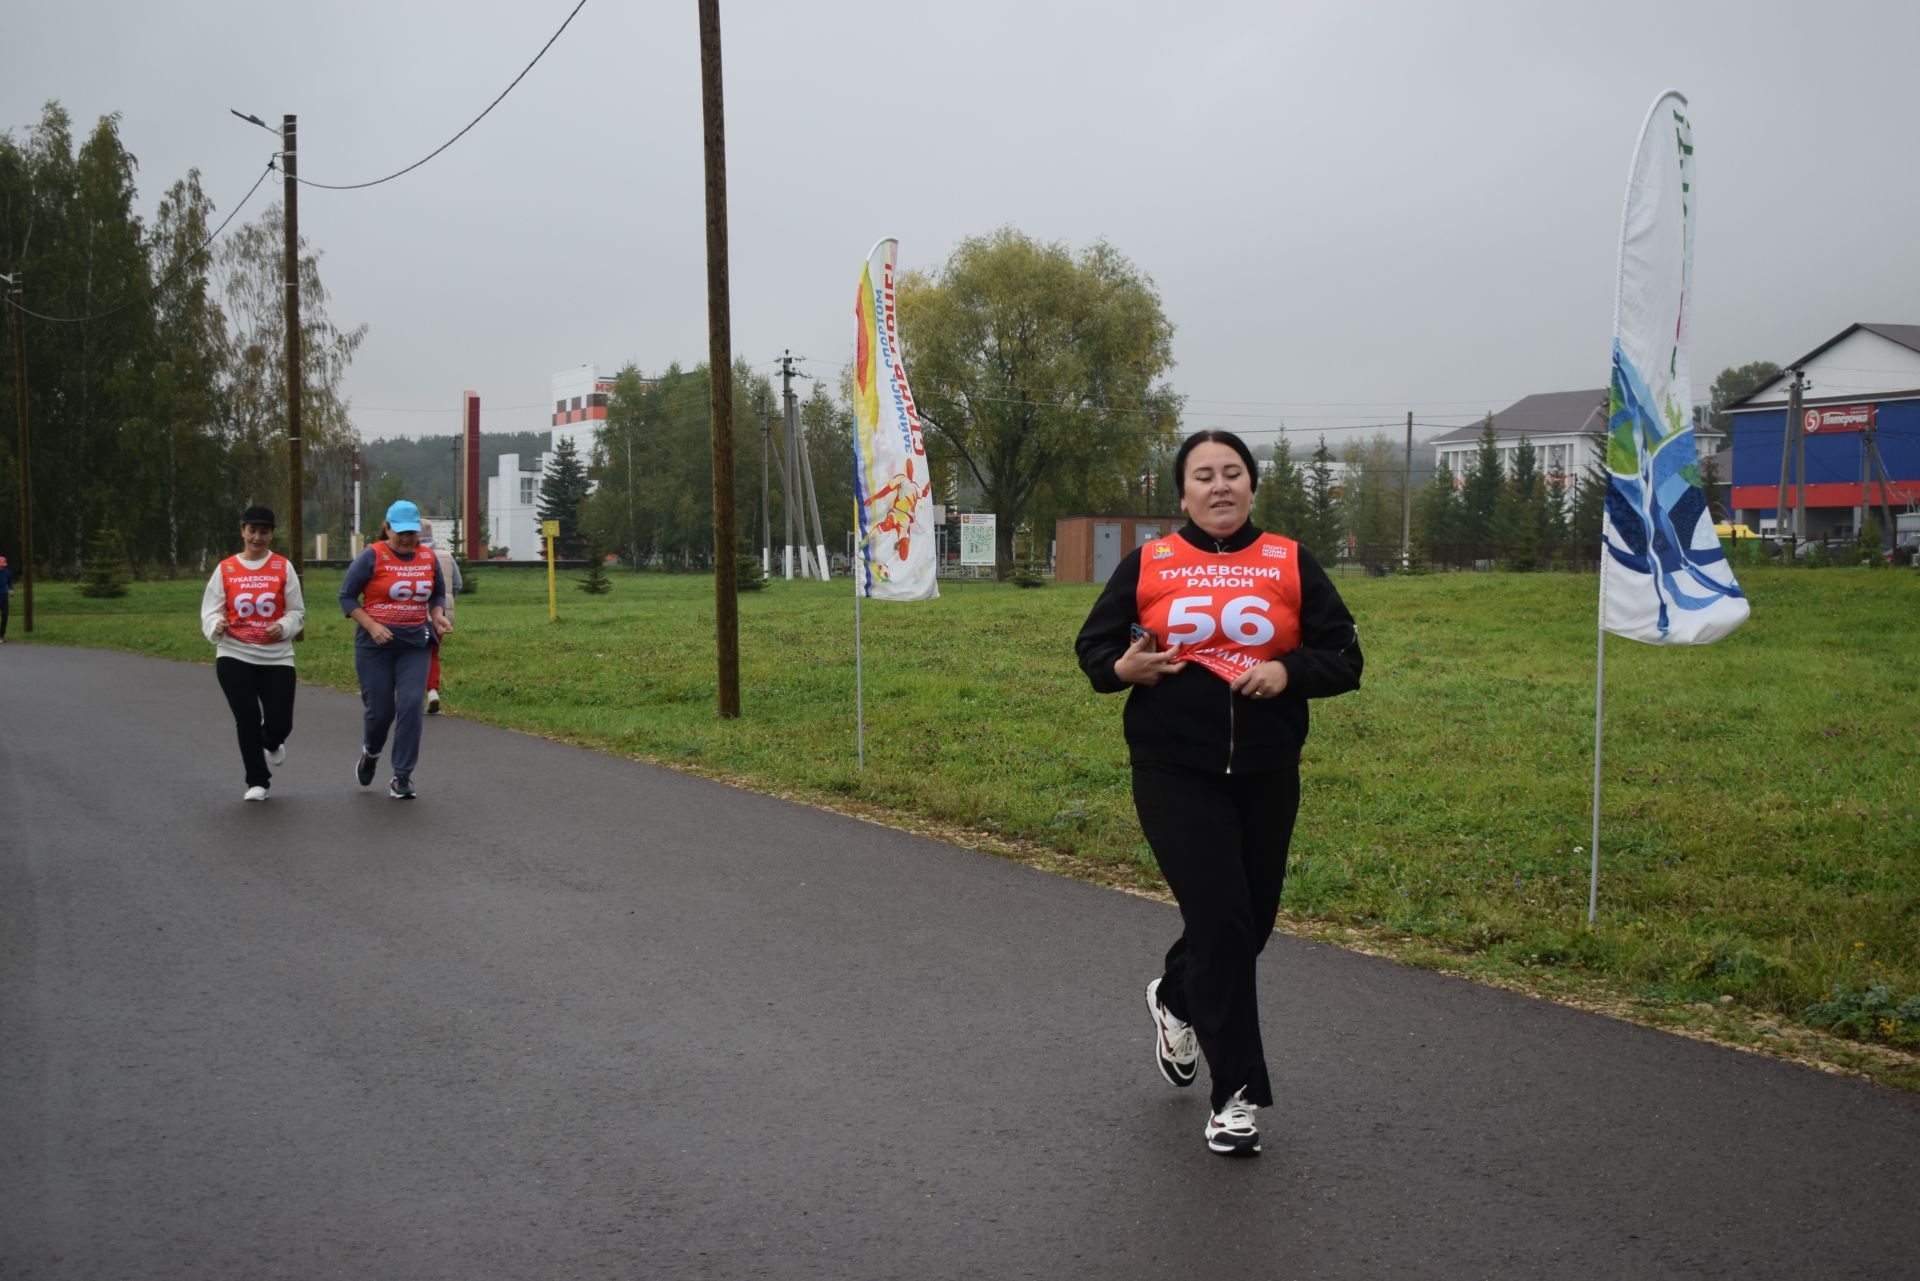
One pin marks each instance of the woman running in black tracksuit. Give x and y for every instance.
(1222, 632)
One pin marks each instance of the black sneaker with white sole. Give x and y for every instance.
(369, 762)
(1175, 1049)
(401, 789)
(1231, 1131)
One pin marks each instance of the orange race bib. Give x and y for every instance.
(399, 590)
(255, 599)
(1227, 611)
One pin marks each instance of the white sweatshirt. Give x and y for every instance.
(213, 608)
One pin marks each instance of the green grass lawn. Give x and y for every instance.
(1759, 833)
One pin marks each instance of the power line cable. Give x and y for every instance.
(164, 281)
(356, 186)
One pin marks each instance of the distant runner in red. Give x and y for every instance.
(1222, 632)
(251, 611)
(450, 576)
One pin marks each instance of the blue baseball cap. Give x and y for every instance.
(403, 518)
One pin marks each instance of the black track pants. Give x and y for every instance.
(1221, 841)
(261, 696)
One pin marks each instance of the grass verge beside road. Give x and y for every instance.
(1759, 828)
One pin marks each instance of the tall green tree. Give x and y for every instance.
(184, 514)
(1735, 382)
(1321, 530)
(1589, 507)
(250, 276)
(1280, 504)
(1480, 491)
(1439, 517)
(653, 466)
(1519, 519)
(1374, 471)
(67, 224)
(1037, 370)
(562, 492)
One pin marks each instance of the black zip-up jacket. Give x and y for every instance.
(1194, 719)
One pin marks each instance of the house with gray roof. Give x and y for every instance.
(1568, 431)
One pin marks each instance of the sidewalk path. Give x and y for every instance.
(569, 1016)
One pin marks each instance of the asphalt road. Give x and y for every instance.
(569, 1016)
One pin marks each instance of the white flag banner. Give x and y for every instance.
(1663, 576)
(892, 481)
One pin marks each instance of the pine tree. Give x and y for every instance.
(1280, 504)
(562, 492)
(106, 574)
(1519, 510)
(1480, 493)
(1438, 515)
(596, 583)
(1320, 531)
(1589, 503)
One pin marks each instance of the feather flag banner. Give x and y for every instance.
(1663, 576)
(893, 484)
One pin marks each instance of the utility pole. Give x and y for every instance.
(1789, 434)
(766, 524)
(813, 500)
(726, 605)
(1799, 466)
(1406, 499)
(16, 291)
(296, 473)
(1872, 450)
(789, 479)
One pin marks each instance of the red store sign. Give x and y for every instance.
(1837, 418)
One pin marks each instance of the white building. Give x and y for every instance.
(513, 494)
(579, 408)
(513, 503)
(1567, 429)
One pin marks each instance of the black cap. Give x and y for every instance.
(258, 515)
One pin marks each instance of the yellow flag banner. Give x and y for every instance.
(893, 485)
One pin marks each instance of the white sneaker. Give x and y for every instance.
(1175, 1049)
(278, 756)
(433, 702)
(255, 794)
(1230, 1131)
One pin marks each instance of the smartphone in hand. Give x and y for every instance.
(1137, 633)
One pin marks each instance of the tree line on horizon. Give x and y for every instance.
(155, 379)
(157, 400)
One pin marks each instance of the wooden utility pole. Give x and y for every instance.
(1788, 436)
(766, 522)
(296, 451)
(1406, 499)
(16, 289)
(1799, 460)
(726, 616)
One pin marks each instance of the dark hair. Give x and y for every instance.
(257, 515)
(1215, 437)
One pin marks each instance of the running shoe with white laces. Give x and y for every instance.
(278, 756)
(1175, 1048)
(255, 794)
(1230, 1131)
(363, 771)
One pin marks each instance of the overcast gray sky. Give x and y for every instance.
(1350, 210)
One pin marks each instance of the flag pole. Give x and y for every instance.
(859, 704)
(1599, 720)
